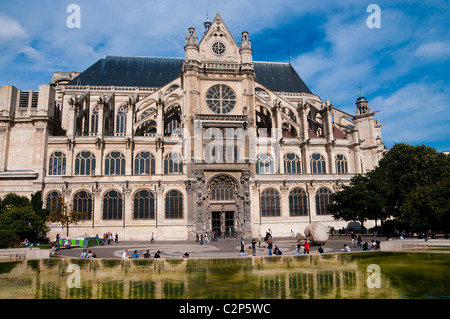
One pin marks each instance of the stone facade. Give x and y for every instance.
(227, 144)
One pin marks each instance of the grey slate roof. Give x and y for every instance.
(157, 72)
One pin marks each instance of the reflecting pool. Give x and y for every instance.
(332, 276)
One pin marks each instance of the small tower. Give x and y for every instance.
(361, 106)
(207, 24)
(191, 47)
(245, 50)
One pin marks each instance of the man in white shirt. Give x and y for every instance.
(346, 249)
(124, 254)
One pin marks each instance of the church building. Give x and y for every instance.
(212, 141)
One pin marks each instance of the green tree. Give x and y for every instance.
(405, 168)
(19, 220)
(428, 207)
(62, 214)
(356, 201)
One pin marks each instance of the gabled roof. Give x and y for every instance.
(157, 72)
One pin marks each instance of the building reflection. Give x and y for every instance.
(259, 277)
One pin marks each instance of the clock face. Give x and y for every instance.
(218, 48)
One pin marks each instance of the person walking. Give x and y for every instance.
(298, 247)
(306, 249)
(152, 240)
(259, 240)
(206, 237)
(254, 247)
(242, 244)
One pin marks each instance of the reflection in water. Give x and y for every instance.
(403, 275)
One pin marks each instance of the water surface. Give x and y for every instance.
(331, 276)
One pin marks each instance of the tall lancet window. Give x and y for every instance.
(121, 119)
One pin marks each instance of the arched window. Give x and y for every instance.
(144, 205)
(298, 202)
(322, 200)
(173, 164)
(82, 203)
(115, 164)
(222, 189)
(54, 201)
(57, 164)
(172, 123)
(85, 163)
(112, 205)
(174, 205)
(292, 164)
(265, 164)
(94, 120)
(270, 203)
(318, 164)
(341, 164)
(121, 119)
(144, 164)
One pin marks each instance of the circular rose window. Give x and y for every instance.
(218, 48)
(220, 99)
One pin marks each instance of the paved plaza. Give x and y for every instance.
(229, 247)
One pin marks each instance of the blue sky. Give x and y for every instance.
(403, 67)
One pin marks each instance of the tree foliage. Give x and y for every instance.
(357, 201)
(411, 184)
(20, 219)
(62, 214)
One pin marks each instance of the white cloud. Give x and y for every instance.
(416, 113)
(10, 29)
(434, 50)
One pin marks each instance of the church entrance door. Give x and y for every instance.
(223, 223)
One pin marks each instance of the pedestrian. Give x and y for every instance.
(250, 251)
(242, 244)
(259, 240)
(254, 247)
(215, 236)
(269, 246)
(201, 239)
(152, 241)
(83, 254)
(292, 234)
(306, 248)
(185, 255)
(206, 237)
(359, 240)
(196, 238)
(298, 247)
(157, 254)
(124, 254)
(320, 249)
(116, 239)
(135, 255)
(147, 254)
